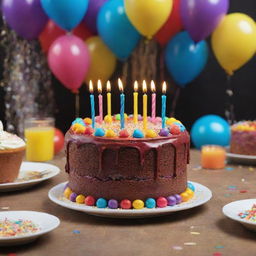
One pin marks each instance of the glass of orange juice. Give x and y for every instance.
(39, 135)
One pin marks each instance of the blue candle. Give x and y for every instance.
(163, 105)
(92, 104)
(122, 103)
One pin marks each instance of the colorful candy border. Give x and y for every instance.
(126, 204)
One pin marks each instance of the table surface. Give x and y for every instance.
(212, 233)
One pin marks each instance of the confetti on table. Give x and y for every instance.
(243, 191)
(229, 168)
(217, 254)
(231, 187)
(194, 233)
(10, 228)
(190, 243)
(177, 248)
(76, 231)
(249, 214)
(219, 246)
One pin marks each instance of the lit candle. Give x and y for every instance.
(213, 157)
(100, 101)
(163, 104)
(135, 102)
(153, 90)
(92, 104)
(145, 105)
(109, 97)
(122, 101)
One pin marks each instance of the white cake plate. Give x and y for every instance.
(201, 196)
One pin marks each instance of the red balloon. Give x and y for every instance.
(52, 31)
(58, 141)
(172, 26)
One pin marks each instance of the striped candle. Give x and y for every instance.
(153, 90)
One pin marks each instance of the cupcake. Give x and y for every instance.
(12, 149)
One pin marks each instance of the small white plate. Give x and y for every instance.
(241, 159)
(201, 196)
(44, 221)
(232, 210)
(49, 169)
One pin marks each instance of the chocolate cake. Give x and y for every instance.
(106, 162)
(243, 138)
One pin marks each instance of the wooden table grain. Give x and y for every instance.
(211, 231)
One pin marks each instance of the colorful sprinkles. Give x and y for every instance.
(102, 129)
(11, 228)
(249, 214)
(149, 203)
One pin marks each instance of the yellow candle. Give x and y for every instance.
(213, 157)
(145, 105)
(135, 102)
(109, 98)
(40, 145)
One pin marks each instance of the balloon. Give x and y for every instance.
(58, 140)
(184, 59)
(69, 61)
(172, 26)
(103, 61)
(210, 130)
(27, 18)
(234, 41)
(116, 30)
(51, 32)
(148, 16)
(201, 17)
(66, 13)
(90, 18)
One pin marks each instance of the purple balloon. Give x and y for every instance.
(201, 17)
(90, 18)
(26, 17)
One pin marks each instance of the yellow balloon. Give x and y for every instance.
(234, 41)
(148, 16)
(103, 61)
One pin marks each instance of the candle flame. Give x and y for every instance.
(120, 85)
(136, 86)
(91, 86)
(144, 86)
(164, 87)
(99, 85)
(153, 86)
(108, 86)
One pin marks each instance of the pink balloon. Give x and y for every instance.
(69, 60)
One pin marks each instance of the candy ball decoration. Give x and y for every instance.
(210, 130)
(175, 129)
(161, 202)
(191, 186)
(67, 192)
(110, 133)
(150, 203)
(73, 197)
(138, 134)
(178, 199)
(80, 199)
(113, 204)
(138, 204)
(185, 196)
(58, 140)
(164, 132)
(126, 204)
(101, 203)
(171, 200)
(99, 132)
(89, 130)
(89, 200)
(124, 133)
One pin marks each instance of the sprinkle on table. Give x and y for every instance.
(10, 228)
(249, 215)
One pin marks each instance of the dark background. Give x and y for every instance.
(205, 95)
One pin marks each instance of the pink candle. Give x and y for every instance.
(153, 111)
(100, 101)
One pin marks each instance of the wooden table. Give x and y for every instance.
(168, 235)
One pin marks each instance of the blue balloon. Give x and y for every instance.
(210, 130)
(185, 60)
(66, 13)
(116, 30)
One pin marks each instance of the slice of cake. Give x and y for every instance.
(243, 138)
(112, 164)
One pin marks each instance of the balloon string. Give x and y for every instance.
(230, 112)
(175, 100)
(77, 104)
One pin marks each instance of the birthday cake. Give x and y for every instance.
(110, 166)
(243, 138)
